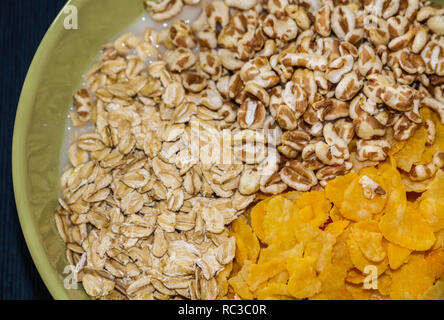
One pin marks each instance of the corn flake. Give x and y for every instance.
(257, 219)
(340, 252)
(385, 283)
(435, 292)
(429, 151)
(303, 282)
(313, 207)
(247, 244)
(439, 243)
(402, 224)
(406, 227)
(360, 261)
(358, 292)
(411, 280)
(274, 291)
(355, 276)
(397, 255)
(415, 186)
(222, 278)
(321, 249)
(239, 282)
(276, 252)
(260, 273)
(281, 216)
(336, 228)
(335, 214)
(333, 284)
(435, 261)
(369, 239)
(412, 151)
(347, 194)
(432, 203)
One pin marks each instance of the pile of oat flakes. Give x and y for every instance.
(193, 123)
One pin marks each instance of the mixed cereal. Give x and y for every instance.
(339, 103)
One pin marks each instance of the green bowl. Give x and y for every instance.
(55, 73)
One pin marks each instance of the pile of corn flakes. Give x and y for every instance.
(339, 244)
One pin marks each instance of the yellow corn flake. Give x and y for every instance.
(333, 284)
(394, 187)
(336, 228)
(306, 213)
(293, 195)
(239, 282)
(435, 261)
(247, 244)
(274, 291)
(412, 280)
(397, 255)
(415, 186)
(280, 217)
(439, 243)
(374, 173)
(303, 282)
(334, 190)
(276, 205)
(406, 227)
(347, 194)
(304, 232)
(369, 239)
(429, 151)
(257, 219)
(340, 253)
(241, 254)
(396, 145)
(313, 207)
(360, 261)
(222, 280)
(335, 214)
(358, 292)
(281, 277)
(432, 203)
(355, 276)
(276, 252)
(355, 205)
(321, 249)
(260, 273)
(401, 223)
(412, 151)
(229, 296)
(435, 292)
(385, 284)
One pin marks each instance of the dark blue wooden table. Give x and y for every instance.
(23, 24)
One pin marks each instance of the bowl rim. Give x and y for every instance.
(22, 119)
